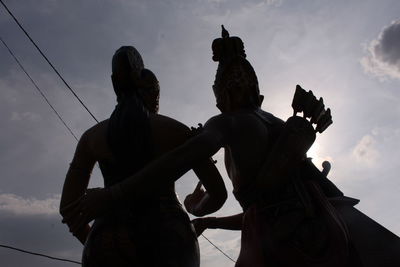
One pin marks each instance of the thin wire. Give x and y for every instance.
(220, 250)
(39, 254)
(37, 88)
(48, 61)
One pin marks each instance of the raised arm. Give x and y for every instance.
(201, 202)
(233, 222)
(76, 182)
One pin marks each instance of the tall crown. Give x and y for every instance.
(226, 47)
(234, 73)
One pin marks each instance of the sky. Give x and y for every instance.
(348, 52)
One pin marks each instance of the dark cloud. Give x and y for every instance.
(387, 49)
(383, 57)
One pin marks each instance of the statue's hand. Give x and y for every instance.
(192, 200)
(196, 130)
(199, 225)
(94, 203)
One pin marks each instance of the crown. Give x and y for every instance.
(226, 47)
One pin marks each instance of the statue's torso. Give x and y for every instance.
(249, 145)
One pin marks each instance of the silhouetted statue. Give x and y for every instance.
(155, 231)
(292, 214)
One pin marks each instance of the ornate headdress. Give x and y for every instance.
(234, 73)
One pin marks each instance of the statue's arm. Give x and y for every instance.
(76, 182)
(201, 202)
(174, 164)
(233, 222)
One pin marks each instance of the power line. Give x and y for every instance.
(220, 250)
(48, 61)
(37, 88)
(40, 254)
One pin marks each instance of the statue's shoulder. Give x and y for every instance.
(167, 125)
(220, 121)
(98, 129)
(168, 121)
(269, 118)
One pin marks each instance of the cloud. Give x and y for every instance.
(365, 151)
(37, 233)
(17, 116)
(29, 206)
(383, 54)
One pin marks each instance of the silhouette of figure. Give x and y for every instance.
(289, 217)
(156, 231)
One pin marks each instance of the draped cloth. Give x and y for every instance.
(288, 233)
(158, 234)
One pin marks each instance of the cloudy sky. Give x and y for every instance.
(345, 51)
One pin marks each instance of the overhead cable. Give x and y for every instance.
(39, 254)
(48, 61)
(37, 88)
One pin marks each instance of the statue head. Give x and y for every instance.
(236, 84)
(127, 65)
(130, 77)
(149, 90)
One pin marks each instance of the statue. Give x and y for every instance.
(157, 231)
(292, 214)
(328, 223)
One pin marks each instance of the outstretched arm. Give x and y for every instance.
(233, 222)
(201, 202)
(173, 165)
(76, 182)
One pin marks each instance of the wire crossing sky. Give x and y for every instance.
(47, 60)
(39, 254)
(38, 89)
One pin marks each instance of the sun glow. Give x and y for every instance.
(313, 151)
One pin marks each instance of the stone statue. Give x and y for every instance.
(292, 214)
(156, 231)
(326, 230)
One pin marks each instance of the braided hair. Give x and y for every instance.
(129, 133)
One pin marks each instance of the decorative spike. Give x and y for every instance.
(225, 33)
(324, 121)
(325, 126)
(318, 110)
(309, 103)
(298, 99)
